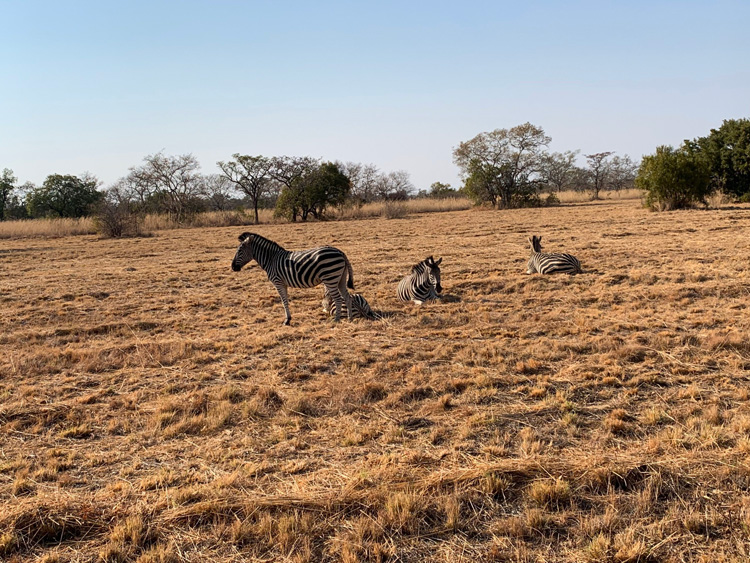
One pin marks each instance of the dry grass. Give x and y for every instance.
(55, 228)
(153, 408)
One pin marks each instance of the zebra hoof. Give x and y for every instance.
(287, 322)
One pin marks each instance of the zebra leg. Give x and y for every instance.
(281, 288)
(338, 301)
(347, 299)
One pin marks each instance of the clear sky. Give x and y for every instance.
(97, 85)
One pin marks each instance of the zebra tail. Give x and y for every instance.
(350, 281)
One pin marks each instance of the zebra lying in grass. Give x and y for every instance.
(360, 307)
(423, 284)
(551, 262)
(301, 268)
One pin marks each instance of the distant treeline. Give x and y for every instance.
(504, 168)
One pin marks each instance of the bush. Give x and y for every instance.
(395, 210)
(674, 178)
(116, 219)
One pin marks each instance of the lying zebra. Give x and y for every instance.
(551, 262)
(423, 284)
(301, 268)
(360, 307)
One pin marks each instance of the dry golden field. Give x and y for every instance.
(153, 407)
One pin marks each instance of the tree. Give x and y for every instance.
(622, 172)
(439, 190)
(394, 186)
(364, 180)
(7, 187)
(251, 175)
(599, 171)
(64, 196)
(559, 170)
(166, 184)
(326, 186)
(674, 178)
(727, 151)
(289, 172)
(115, 214)
(219, 192)
(313, 192)
(505, 166)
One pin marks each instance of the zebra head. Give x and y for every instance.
(244, 252)
(536, 243)
(432, 270)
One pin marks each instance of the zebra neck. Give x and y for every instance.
(267, 252)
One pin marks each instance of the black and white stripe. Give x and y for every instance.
(301, 268)
(423, 284)
(551, 262)
(360, 307)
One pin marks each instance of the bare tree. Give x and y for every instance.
(394, 186)
(622, 173)
(599, 169)
(219, 192)
(171, 184)
(364, 179)
(559, 170)
(251, 175)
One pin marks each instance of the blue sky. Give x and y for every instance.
(96, 86)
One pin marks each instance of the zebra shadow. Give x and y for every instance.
(450, 298)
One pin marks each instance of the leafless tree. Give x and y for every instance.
(251, 175)
(599, 169)
(559, 170)
(172, 184)
(622, 173)
(219, 192)
(393, 186)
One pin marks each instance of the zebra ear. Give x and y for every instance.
(245, 236)
(430, 260)
(438, 261)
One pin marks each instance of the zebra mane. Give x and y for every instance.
(419, 267)
(258, 239)
(422, 266)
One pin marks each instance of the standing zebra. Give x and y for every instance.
(360, 307)
(551, 262)
(423, 283)
(301, 268)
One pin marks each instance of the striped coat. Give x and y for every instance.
(423, 284)
(301, 268)
(360, 307)
(550, 262)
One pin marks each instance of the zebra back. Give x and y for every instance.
(551, 262)
(360, 307)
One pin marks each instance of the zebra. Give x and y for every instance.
(423, 283)
(360, 307)
(300, 268)
(551, 262)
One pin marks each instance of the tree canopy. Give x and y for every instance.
(727, 152)
(64, 196)
(674, 178)
(504, 166)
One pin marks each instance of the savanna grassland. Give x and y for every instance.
(153, 408)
